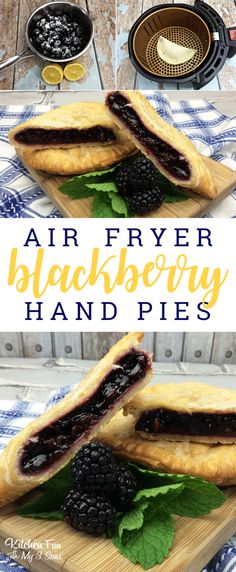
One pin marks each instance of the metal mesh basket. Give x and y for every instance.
(178, 25)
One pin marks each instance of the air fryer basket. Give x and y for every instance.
(199, 27)
(189, 31)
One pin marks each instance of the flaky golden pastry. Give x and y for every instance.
(215, 463)
(77, 160)
(72, 124)
(188, 407)
(168, 148)
(189, 397)
(14, 480)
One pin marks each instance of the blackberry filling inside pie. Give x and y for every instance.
(48, 445)
(168, 422)
(39, 136)
(168, 157)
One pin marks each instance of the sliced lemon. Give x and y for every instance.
(74, 72)
(52, 74)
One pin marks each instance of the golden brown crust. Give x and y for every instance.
(215, 463)
(78, 160)
(187, 397)
(175, 438)
(82, 115)
(201, 181)
(12, 483)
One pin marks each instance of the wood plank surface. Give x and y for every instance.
(196, 205)
(8, 38)
(196, 541)
(99, 60)
(130, 10)
(169, 347)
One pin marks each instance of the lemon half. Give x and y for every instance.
(74, 72)
(52, 74)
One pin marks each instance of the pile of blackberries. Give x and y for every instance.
(137, 180)
(102, 487)
(58, 37)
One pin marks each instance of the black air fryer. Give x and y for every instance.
(198, 27)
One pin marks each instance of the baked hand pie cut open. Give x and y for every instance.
(189, 411)
(83, 123)
(169, 149)
(48, 443)
(215, 463)
(80, 159)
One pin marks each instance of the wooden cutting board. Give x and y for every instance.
(225, 180)
(196, 542)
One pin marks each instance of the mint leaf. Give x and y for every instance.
(163, 494)
(45, 515)
(198, 501)
(166, 478)
(118, 204)
(176, 197)
(151, 543)
(82, 193)
(105, 187)
(72, 184)
(101, 207)
(133, 519)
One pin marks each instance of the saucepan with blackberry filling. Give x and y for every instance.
(48, 443)
(56, 32)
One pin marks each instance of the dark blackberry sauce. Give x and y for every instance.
(171, 160)
(38, 136)
(47, 446)
(196, 424)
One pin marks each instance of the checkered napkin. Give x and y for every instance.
(213, 133)
(16, 415)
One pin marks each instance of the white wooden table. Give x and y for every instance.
(223, 101)
(35, 379)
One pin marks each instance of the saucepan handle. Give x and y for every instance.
(231, 41)
(11, 61)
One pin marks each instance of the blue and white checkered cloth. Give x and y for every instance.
(16, 415)
(213, 133)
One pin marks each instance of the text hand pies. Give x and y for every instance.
(84, 123)
(185, 412)
(169, 149)
(48, 443)
(215, 463)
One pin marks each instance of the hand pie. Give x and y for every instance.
(215, 463)
(169, 149)
(85, 123)
(47, 444)
(78, 160)
(185, 412)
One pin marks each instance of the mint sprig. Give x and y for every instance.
(150, 544)
(107, 202)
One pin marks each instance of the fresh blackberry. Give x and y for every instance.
(144, 201)
(88, 513)
(143, 173)
(121, 175)
(94, 469)
(126, 488)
